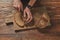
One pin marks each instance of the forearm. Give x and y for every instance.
(16, 0)
(31, 3)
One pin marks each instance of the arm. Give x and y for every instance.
(28, 12)
(31, 3)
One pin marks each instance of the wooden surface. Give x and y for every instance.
(8, 33)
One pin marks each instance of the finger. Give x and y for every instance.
(30, 19)
(28, 16)
(24, 14)
(19, 8)
(15, 7)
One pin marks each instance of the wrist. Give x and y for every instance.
(29, 6)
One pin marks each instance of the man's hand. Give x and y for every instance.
(27, 14)
(18, 5)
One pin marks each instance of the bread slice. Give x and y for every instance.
(18, 19)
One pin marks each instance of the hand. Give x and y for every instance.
(18, 5)
(27, 14)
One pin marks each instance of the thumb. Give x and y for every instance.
(24, 14)
(19, 8)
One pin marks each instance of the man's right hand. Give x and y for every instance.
(18, 5)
